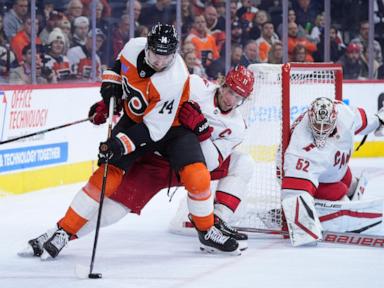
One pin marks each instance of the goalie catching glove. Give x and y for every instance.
(115, 147)
(191, 117)
(98, 113)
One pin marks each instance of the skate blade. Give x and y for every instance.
(26, 252)
(243, 245)
(212, 250)
(45, 256)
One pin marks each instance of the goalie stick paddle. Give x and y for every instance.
(45, 131)
(330, 237)
(80, 270)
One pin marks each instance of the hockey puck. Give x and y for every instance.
(95, 276)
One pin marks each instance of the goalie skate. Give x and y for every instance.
(55, 244)
(230, 231)
(35, 246)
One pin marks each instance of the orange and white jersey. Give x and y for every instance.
(228, 128)
(81, 64)
(153, 100)
(59, 65)
(305, 165)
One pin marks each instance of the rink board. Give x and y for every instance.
(68, 155)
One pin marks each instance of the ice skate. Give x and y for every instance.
(228, 230)
(53, 246)
(213, 241)
(34, 247)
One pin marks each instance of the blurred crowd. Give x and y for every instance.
(64, 38)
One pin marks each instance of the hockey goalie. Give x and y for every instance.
(319, 191)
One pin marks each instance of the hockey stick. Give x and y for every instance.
(80, 271)
(45, 131)
(330, 237)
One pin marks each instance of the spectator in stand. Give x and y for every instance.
(215, 24)
(276, 53)
(204, 43)
(55, 59)
(160, 12)
(186, 18)
(250, 54)
(337, 47)
(351, 62)
(65, 27)
(299, 54)
(23, 38)
(80, 31)
(217, 68)
(193, 64)
(23, 73)
(261, 17)
(244, 24)
(120, 35)
(364, 73)
(237, 34)
(74, 10)
(318, 28)
(220, 7)
(291, 18)
(7, 57)
(52, 22)
(306, 12)
(265, 41)
(80, 57)
(44, 12)
(294, 40)
(87, 8)
(136, 13)
(142, 31)
(362, 40)
(14, 19)
(103, 23)
(247, 11)
(187, 47)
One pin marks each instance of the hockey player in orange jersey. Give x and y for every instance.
(150, 82)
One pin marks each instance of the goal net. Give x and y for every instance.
(281, 93)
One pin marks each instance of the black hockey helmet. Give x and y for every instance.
(162, 39)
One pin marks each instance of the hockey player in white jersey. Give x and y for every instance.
(213, 107)
(316, 163)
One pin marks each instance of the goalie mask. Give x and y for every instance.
(161, 46)
(322, 119)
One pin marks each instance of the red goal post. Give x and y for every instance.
(281, 93)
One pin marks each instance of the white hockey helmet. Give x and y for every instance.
(322, 119)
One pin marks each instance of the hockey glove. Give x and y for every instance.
(115, 147)
(111, 86)
(191, 117)
(99, 112)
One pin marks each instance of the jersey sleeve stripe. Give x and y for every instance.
(299, 184)
(363, 120)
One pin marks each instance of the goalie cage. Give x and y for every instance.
(281, 93)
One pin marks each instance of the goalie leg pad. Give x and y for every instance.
(303, 224)
(357, 188)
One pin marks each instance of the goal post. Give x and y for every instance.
(281, 93)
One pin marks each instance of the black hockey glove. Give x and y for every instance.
(111, 86)
(112, 149)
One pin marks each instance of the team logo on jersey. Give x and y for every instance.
(135, 99)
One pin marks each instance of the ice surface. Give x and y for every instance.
(139, 252)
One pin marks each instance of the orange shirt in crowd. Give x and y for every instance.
(19, 41)
(309, 46)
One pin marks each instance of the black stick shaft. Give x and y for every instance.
(44, 131)
(102, 194)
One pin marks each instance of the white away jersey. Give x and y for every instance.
(228, 128)
(153, 100)
(305, 165)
